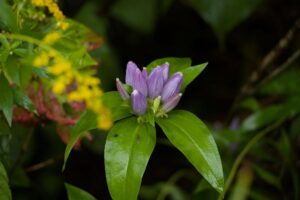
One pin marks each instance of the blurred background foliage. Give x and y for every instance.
(250, 99)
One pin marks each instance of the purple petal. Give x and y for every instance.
(165, 71)
(171, 103)
(122, 91)
(139, 82)
(172, 87)
(145, 73)
(155, 82)
(138, 102)
(130, 72)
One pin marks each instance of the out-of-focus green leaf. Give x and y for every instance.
(270, 114)
(267, 176)
(75, 193)
(12, 70)
(224, 15)
(87, 121)
(6, 99)
(139, 15)
(25, 75)
(250, 103)
(176, 64)
(287, 83)
(243, 184)
(8, 20)
(5, 193)
(190, 135)
(117, 105)
(23, 100)
(19, 178)
(190, 73)
(258, 195)
(128, 148)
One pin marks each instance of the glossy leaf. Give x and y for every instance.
(5, 193)
(6, 99)
(86, 123)
(190, 73)
(117, 105)
(22, 99)
(176, 64)
(128, 148)
(75, 193)
(224, 15)
(190, 135)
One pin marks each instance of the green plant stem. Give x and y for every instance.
(243, 153)
(29, 39)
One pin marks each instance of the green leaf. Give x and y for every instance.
(6, 99)
(25, 75)
(270, 114)
(190, 73)
(12, 70)
(176, 64)
(190, 135)
(86, 122)
(120, 109)
(268, 177)
(8, 20)
(75, 193)
(24, 101)
(224, 15)
(5, 193)
(139, 15)
(128, 148)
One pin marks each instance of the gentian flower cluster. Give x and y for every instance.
(156, 90)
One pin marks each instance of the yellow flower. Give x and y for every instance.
(51, 38)
(104, 121)
(41, 60)
(59, 67)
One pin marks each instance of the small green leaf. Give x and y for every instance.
(86, 122)
(6, 99)
(176, 64)
(190, 73)
(5, 193)
(25, 75)
(190, 135)
(75, 193)
(128, 148)
(268, 176)
(117, 105)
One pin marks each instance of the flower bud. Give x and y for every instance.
(140, 83)
(165, 71)
(138, 102)
(122, 91)
(155, 82)
(130, 72)
(171, 103)
(172, 87)
(145, 73)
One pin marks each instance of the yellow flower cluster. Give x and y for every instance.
(54, 9)
(77, 87)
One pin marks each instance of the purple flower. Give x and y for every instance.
(155, 82)
(171, 103)
(157, 86)
(165, 71)
(135, 78)
(130, 72)
(138, 102)
(172, 86)
(122, 91)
